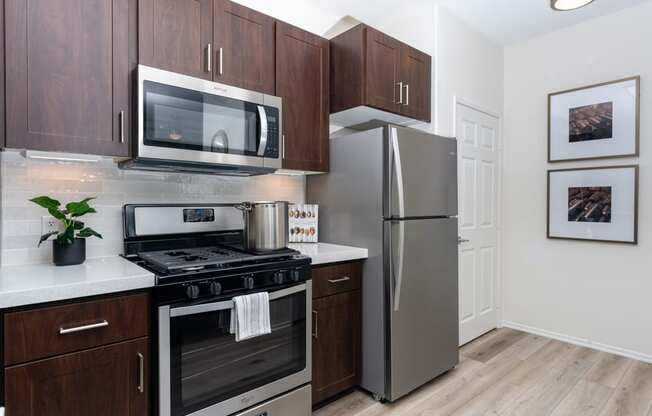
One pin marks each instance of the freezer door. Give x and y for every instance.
(422, 174)
(422, 302)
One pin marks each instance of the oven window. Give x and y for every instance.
(186, 119)
(208, 366)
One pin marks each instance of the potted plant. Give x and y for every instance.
(69, 247)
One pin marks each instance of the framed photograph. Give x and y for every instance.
(594, 204)
(595, 122)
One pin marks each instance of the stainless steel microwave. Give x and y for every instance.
(190, 124)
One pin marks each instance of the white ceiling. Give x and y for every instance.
(509, 21)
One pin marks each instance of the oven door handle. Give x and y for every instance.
(228, 304)
(262, 115)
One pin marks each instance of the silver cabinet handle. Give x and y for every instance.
(141, 373)
(400, 92)
(343, 279)
(315, 316)
(209, 58)
(221, 63)
(101, 324)
(121, 125)
(461, 240)
(407, 95)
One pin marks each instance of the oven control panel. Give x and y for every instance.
(202, 288)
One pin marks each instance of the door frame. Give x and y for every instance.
(498, 295)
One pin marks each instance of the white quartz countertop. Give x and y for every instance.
(322, 253)
(31, 284)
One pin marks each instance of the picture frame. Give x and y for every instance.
(598, 121)
(593, 204)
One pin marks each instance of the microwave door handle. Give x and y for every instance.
(262, 115)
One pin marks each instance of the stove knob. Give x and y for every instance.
(192, 291)
(249, 282)
(279, 278)
(295, 275)
(215, 288)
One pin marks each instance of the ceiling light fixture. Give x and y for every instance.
(566, 5)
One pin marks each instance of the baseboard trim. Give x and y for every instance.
(579, 341)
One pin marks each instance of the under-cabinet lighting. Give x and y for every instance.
(285, 172)
(64, 157)
(566, 5)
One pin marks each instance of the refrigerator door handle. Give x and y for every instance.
(398, 276)
(398, 169)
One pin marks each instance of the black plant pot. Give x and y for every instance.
(69, 254)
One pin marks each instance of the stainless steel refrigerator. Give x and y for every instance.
(393, 190)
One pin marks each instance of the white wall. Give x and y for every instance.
(468, 66)
(588, 292)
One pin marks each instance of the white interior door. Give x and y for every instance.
(479, 172)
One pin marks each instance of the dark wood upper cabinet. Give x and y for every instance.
(105, 381)
(68, 89)
(177, 35)
(302, 80)
(415, 74)
(382, 75)
(369, 68)
(244, 47)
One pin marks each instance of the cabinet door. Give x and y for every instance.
(383, 59)
(244, 47)
(415, 75)
(68, 88)
(335, 344)
(176, 35)
(302, 80)
(106, 381)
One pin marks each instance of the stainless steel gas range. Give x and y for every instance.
(195, 252)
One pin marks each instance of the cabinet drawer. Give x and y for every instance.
(49, 331)
(331, 279)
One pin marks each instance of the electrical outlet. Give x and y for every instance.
(50, 224)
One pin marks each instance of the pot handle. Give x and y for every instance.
(243, 207)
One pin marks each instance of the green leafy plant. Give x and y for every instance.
(69, 216)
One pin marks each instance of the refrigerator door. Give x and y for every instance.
(422, 174)
(422, 302)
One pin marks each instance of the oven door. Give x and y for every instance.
(204, 371)
(188, 119)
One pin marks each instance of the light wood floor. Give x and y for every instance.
(510, 373)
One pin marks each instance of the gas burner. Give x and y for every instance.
(214, 257)
(176, 253)
(194, 258)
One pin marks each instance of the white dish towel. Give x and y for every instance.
(250, 316)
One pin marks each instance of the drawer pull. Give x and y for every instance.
(343, 279)
(141, 373)
(101, 324)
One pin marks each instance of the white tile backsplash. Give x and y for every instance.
(22, 179)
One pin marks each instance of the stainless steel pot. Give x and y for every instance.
(265, 225)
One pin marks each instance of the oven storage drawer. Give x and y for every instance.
(336, 278)
(45, 332)
(295, 403)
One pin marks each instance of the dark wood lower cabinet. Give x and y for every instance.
(105, 381)
(336, 334)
